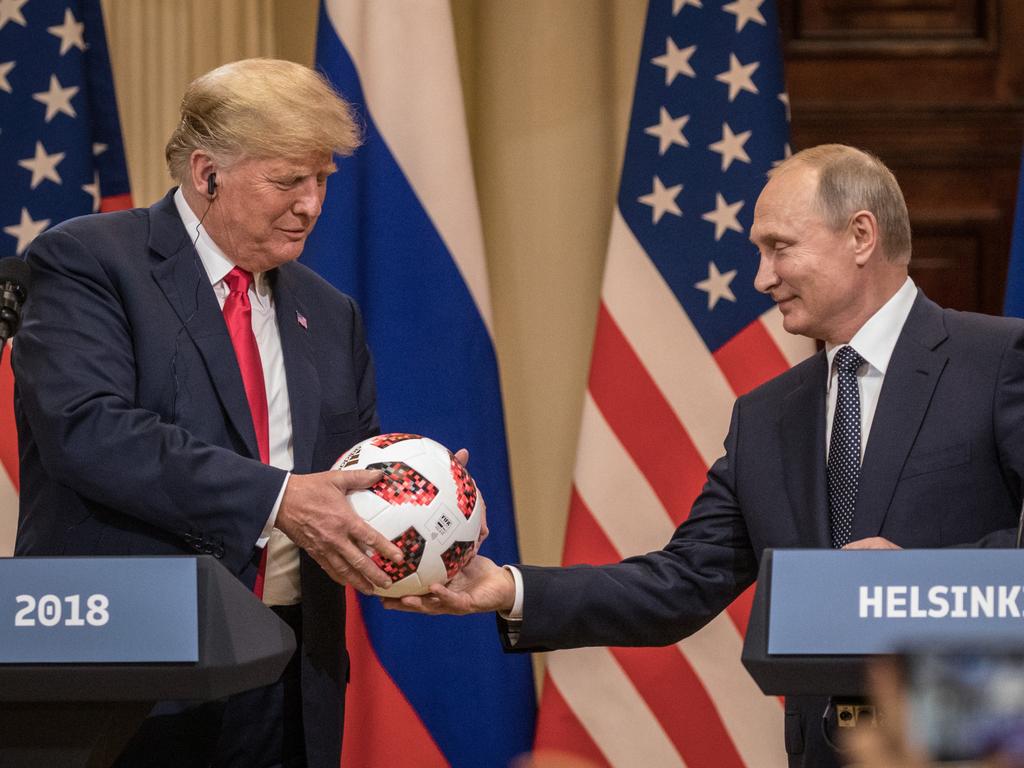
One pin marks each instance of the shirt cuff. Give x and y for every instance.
(516, 614)
(261, 542)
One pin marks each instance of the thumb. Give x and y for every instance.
(354, 479)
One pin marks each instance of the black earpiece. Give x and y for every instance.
(211, 185)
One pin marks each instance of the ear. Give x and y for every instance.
(201, 166)
(863, 236)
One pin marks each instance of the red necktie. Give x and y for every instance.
(238, 316)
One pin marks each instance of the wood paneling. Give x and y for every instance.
(936, 89)
(892, 27)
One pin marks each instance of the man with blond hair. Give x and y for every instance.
(906, 430)
(183, 384)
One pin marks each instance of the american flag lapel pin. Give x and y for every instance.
(301, 318)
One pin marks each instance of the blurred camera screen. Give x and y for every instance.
(966, 706)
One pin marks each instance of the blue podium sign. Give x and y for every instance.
(99, 609)
(828, 602)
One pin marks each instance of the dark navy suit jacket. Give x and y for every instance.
(135, 435)
(943, 466)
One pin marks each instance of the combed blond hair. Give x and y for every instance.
(264, 108)
(851, 180)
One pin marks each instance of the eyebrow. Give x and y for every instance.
(768, 236)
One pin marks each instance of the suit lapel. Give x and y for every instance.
(910, 380)
(299, 363)
(184, 282)
(802, 432)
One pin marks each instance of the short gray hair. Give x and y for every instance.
(265, 108)
(850, 180)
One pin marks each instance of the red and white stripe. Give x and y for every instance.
(656, 412)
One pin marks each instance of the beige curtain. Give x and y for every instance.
(548, 87)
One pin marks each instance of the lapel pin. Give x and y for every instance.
(301, 318)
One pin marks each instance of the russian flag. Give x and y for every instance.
(400, 232)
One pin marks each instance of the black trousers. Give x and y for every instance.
(261, 728)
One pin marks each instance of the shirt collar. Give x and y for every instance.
(215, 262)
(876, 339)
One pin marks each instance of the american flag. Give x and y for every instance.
(681, 332)
(60, 152)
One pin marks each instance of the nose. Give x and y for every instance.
(765, 279)
(309, 198)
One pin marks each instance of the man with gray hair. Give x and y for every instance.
(183, 384)
(906, 430)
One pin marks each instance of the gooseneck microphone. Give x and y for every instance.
(15, 277)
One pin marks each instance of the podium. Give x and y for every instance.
(819, 615)
(87, 645)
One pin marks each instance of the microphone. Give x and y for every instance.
(15, 278)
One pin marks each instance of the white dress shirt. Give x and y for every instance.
(875, 342)
(281, 584)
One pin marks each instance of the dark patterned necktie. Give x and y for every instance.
(844, 448)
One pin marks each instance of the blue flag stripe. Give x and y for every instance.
(1014, 302)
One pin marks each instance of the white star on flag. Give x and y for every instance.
(43, 165)
(784, 98)
(738, 76)
(71, 33)
(676, 61)
(746, 10)
(730, 147)
(10, 10)
(662, 200)
(57, 99)
(26, 230)
(98, 149)
(94, 190)
(678, 5)
(5, 69)
(669, 131)
(724, 216)
(716, 285)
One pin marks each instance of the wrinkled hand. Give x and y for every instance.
(480, 586)
(316, 514)
(872, 542)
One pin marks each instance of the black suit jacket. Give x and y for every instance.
(135, 435)
(943, 466)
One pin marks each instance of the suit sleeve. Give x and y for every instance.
(75, 369)
(653, 599)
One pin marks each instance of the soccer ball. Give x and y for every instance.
(426, 503)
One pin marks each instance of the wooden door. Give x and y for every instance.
(936, 89)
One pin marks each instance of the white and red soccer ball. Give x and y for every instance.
(426, 503)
